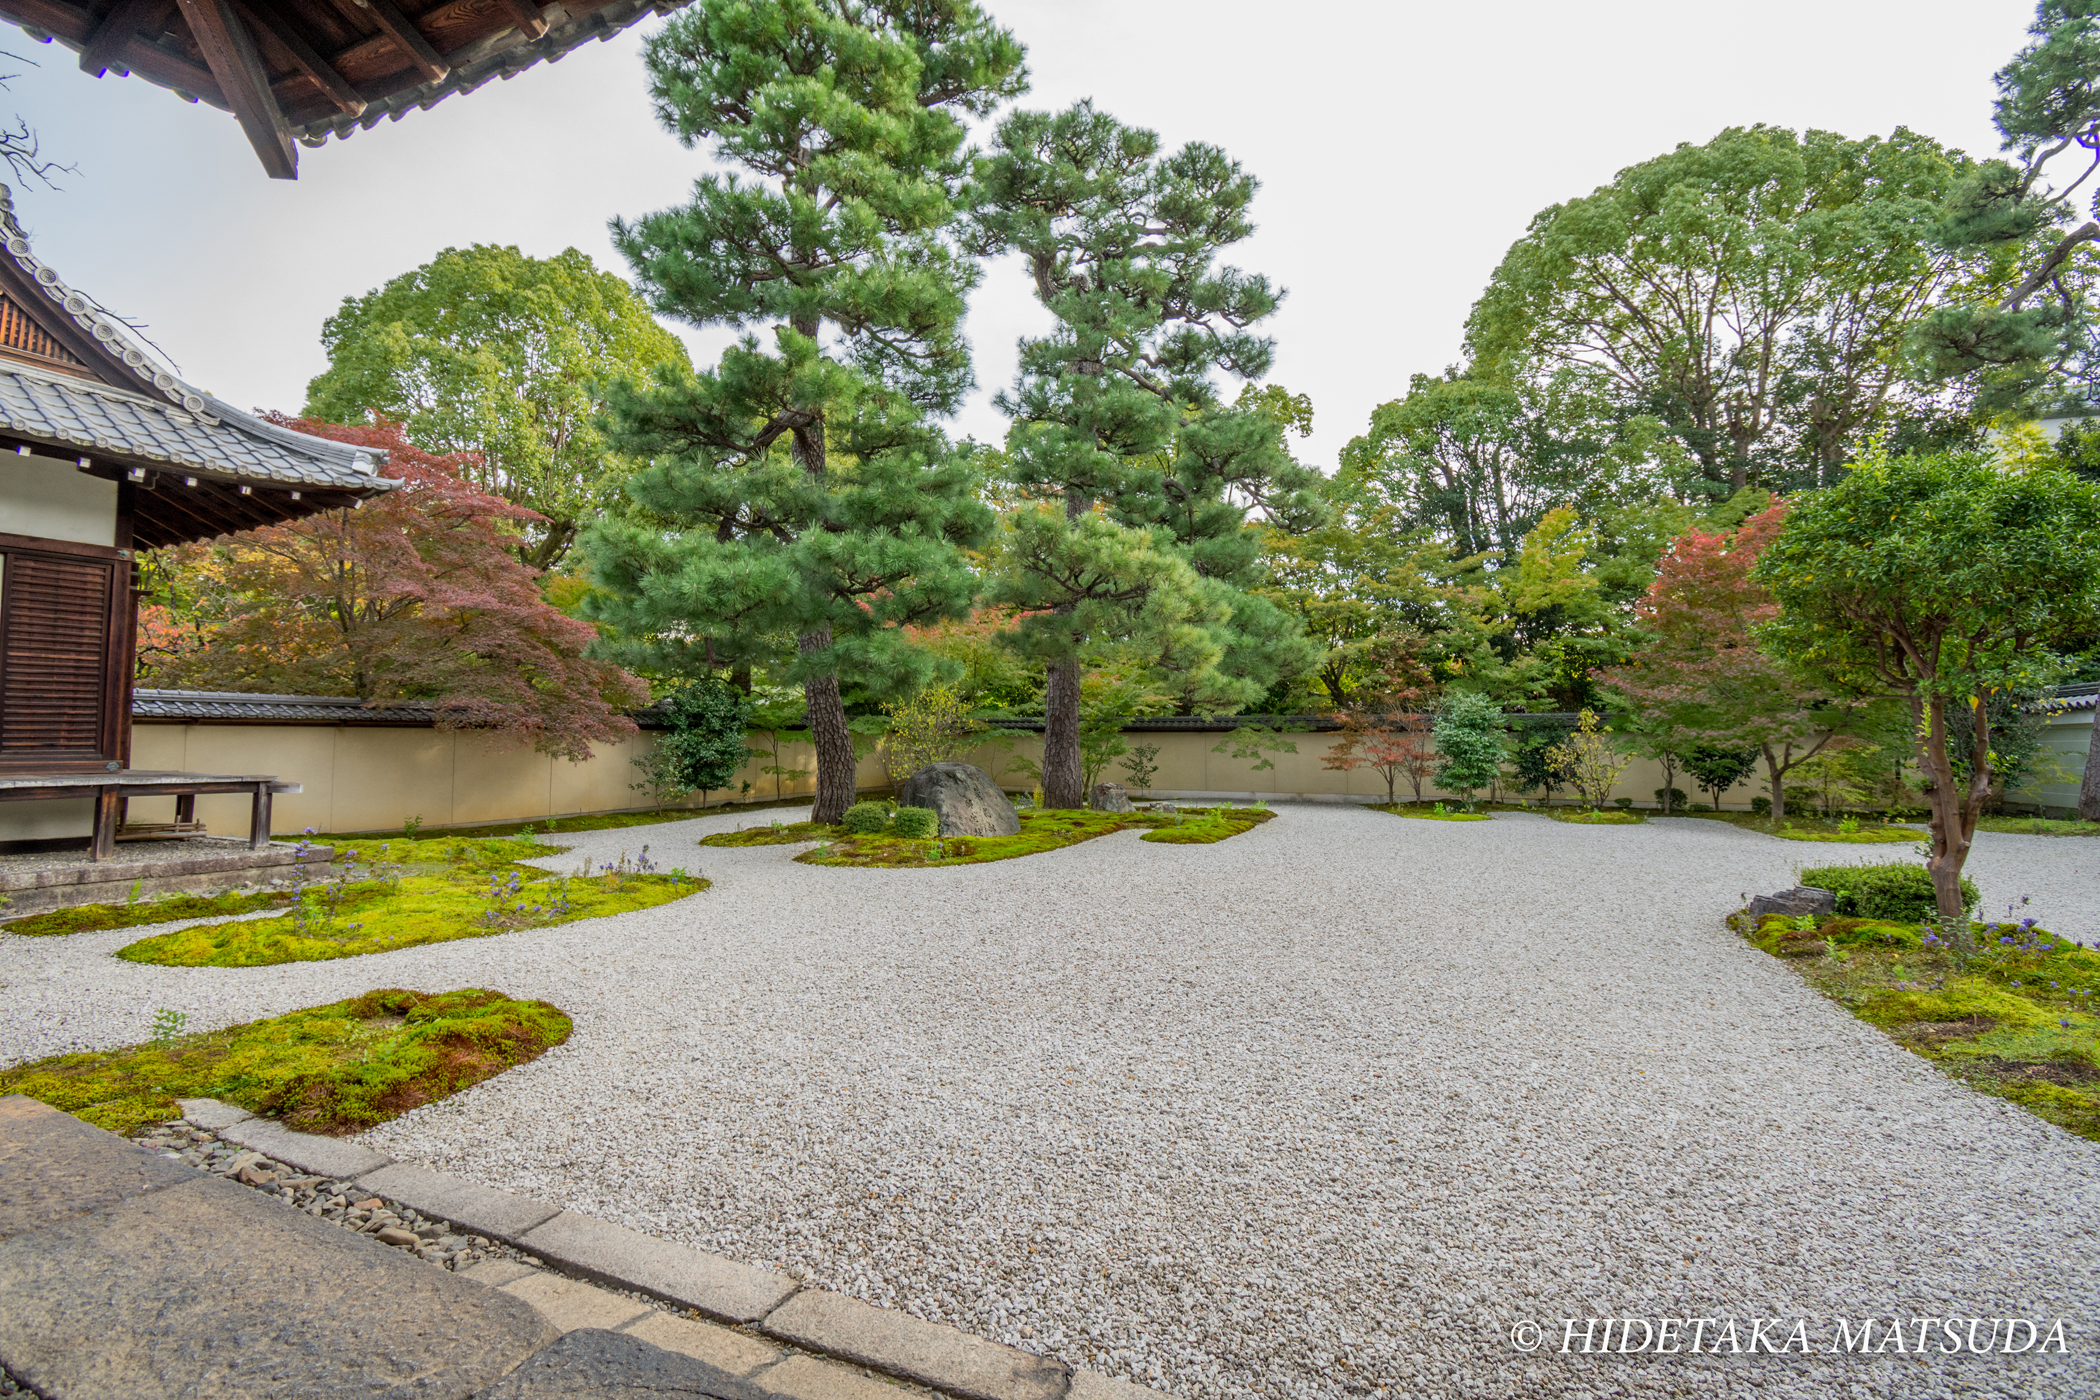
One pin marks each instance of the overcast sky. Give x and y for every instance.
(1401, 147)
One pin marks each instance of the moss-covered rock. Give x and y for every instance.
(331, 1069)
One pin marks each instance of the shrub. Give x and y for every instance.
(1761, 806)
(1670, 799)
(865, 818)
(1622, 803)
(916, 823)
(1897, 891)
(1699, 807)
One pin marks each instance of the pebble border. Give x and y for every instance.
(454, 1224)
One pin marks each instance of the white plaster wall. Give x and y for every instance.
(54, 500)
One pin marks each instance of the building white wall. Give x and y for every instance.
(52, 499)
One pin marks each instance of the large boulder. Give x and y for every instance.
(1109, 797)
(964, 797)
(1800, 900)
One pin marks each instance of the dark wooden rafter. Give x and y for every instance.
(148, 60)
(527, 15)
(425, 59)
(304, 55)
(113, 36)
(230, 52)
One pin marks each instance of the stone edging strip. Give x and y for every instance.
(769, 1303)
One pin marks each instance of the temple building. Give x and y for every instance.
(104, 453)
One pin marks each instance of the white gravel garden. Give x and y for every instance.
(1325, 1110)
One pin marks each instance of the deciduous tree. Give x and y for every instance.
(1704, 671)
(1939, 580)
(485, 351)
(416, 597)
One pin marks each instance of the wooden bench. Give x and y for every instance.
(112, 790)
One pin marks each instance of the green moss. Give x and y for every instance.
(1800, 828)
(1597, 818)
(328, 1069)
(1040, 831)
(1213, 824)
(2037, 826)
(90, 918)
(1957, 1001)
(423, 909)
(781, 834)
(1428, 814)
(2072, 1109)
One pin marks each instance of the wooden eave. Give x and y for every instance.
(302, 70)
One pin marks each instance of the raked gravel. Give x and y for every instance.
(1323, 1110)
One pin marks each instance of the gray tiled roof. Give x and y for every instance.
(161, 419)
(225, 706)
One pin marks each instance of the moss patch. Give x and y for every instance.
(330, 1069)
(1203, 825)
(89, 918)
(1597, 818)
(2037, 826)
(1040, 831)
(1796, 828)
(779, 834)
(1428, 813)
(408, 914)
(2020, 1021)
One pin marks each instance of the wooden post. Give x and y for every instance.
(186, 807)
(259, 819)
(103, 844)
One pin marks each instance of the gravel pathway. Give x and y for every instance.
(1321, 1111)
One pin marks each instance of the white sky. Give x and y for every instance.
(1402, 147)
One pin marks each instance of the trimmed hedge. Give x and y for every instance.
(916, 824)
(1897, 891)
(865, 818)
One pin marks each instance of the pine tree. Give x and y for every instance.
(800, 509)
(1143, 478)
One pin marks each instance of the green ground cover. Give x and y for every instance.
(419, 892)
(2037, 826)
(330, 1069)
(1596, 817)
(88, 918)
(2019, 1021)
(778, 834)
(1802, 828)
(1040, 831)
(1433, 812)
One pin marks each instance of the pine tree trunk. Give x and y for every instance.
(827, 728)
(1062, 773)
(2089, 788)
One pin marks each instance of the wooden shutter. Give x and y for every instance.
(54, 657)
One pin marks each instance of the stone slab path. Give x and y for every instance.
(129, 1275)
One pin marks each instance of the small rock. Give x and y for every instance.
(1800, 900)
(373, 1203)
(1109, 797)
(395, 1236)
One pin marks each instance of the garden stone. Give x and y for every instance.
(965, 799)
(1110, 797)
(1794, 903)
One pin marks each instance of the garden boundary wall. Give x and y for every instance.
(369, 770)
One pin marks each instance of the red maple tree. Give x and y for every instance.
(1704, 672)
(418, 596)
(1385, 728)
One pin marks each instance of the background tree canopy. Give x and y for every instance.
(483, 350)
